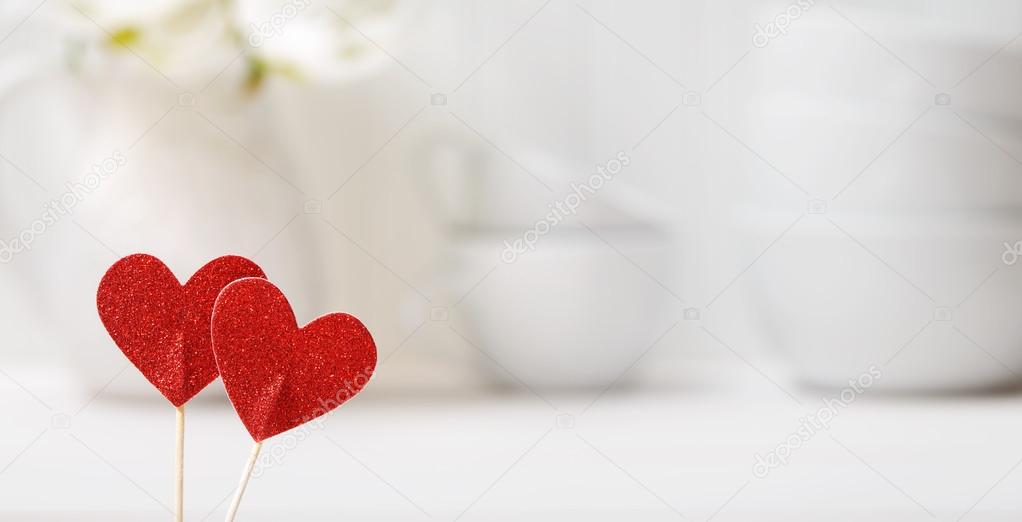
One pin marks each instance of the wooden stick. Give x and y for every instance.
(244, 482)
(179, 487)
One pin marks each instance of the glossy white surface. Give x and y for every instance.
(645, 455)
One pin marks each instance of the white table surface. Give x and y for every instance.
(682, 454)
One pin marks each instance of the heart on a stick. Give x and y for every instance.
(162, 326)
(277, 375)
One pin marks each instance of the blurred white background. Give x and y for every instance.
(663, 260)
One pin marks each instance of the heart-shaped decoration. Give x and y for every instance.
(280, 376)
(163, 327)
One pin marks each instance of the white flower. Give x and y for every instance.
(191, 41)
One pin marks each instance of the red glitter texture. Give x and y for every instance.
(280, 376)
(162, 326)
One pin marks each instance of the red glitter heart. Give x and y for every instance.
(162, 326)
(280, 376)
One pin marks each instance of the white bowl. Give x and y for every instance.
(926, 299)
(572, 314)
